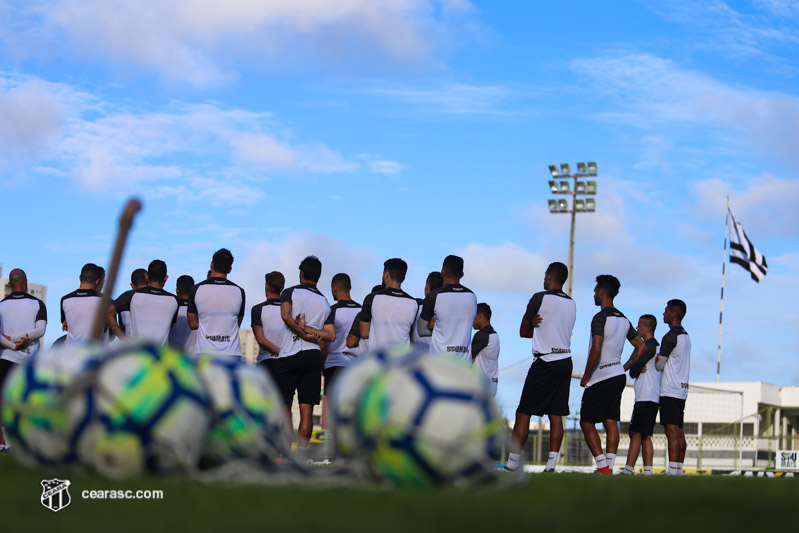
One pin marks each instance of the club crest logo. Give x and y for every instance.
(55, 494)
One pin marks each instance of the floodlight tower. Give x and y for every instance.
(559, 184)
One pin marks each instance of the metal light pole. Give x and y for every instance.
(565, 183)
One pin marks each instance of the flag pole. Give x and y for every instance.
(723, 268)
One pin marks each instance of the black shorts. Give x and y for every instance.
(672, 411)
(330, 377)
(602, 401)
(643, 419)
(6, 367)
(546, 389)
(301, 372)
(268, 366)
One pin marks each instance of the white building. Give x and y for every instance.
(39, 291)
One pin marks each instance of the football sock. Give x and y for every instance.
(672, 469)
(513, 461)
(679, 468)
(601, 462)
(627, 469)
(552, 461)
(611, 458)
(647, 470)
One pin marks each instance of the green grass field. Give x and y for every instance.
(717, 504)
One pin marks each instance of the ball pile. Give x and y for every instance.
(134, 407)
(417, 419)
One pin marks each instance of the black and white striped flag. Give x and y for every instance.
(744, 253)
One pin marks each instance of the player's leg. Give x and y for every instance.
(682, 447)
(648, 451)
(558, 408)
(308, 394)
(555, 440)
(521, 429)
(590, 415)
(611, 440)
(673, 437)
(632, 452)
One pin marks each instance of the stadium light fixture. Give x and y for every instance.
(560, 186)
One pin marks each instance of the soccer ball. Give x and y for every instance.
(147, 410)
(248, 417)
(428, 421)
(346, 394)
(34, 417)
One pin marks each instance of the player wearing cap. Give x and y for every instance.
(485, 347)
(336, 355)
(453, 308)
(647, 396)
(434, 281)
(181, 336)
(306, 314)
(23, 321)
(153, 311)
(604, 377)
(389, 315)
(549, 321)
(216, 309)
(674, 361)
(79, 307)
(266, 323)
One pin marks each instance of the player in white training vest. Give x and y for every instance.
(216, 309)
(336, 356)
(485, 347)
(389, 315)
(138, 279)
(675, 362)
(306, 313)
(153, 311)
(453, 308)
(267, 324)
(604, 377)
(79, 307)
(434, 281)
(549, 321)
(647, 398)
(181, 336)
(354, 339)
(23, 321)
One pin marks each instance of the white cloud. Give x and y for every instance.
(650, 90)
(458, 99)
(504, 267)
(198, 41)
(31, 116)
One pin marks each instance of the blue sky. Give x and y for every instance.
(361, 130)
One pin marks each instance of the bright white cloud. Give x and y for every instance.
(196, 41)
(31, 116)
(501, 268)
(649, 90)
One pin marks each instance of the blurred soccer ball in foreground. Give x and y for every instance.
(345, 397)
(428, 421)
(247, 414)
(37, 425)
(147, 410)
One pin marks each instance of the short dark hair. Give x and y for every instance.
(100, 273)
(453, 265)
(378, 288)
(184, 284)
(157, 271)
(396, 268)
(311, 268)
(435, 280)
(678, 307)
(138, 277)
(342, 281)
(275, 281)
(484, 309)
(223, 261)
(90, 273)
(650, 321)
(610, 284)
(559, 271)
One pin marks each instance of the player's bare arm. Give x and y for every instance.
(113, 325)
(291, 322)
(327, 333)
(263, 342)
(593, 358)
(365, 327)
(193, 319)
(640, 349)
